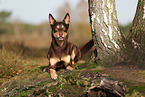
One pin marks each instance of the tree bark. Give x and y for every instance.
(137, 31)
(105, 30)
(112, 46)
(134, 45)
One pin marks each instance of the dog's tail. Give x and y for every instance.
(87, 47)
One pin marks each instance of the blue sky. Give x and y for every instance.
(36, 11)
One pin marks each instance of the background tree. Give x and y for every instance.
(4, 18)
(112, 45)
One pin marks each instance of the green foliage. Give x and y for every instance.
(4, 16)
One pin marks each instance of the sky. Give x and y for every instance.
(36, 11)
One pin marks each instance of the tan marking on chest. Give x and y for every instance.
(53, 61)
(66, 59)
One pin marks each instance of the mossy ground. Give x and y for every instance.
(23, 76)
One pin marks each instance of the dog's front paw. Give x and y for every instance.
(73, 62)
(53, 74)
(69, 68)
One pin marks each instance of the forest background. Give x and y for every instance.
(38, 35)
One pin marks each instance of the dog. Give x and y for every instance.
(63, 54)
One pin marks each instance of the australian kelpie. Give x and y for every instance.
(63, 54)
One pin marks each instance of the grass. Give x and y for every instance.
(10, 64)
(24, 76)
(136, 89)
(13, 66)
(19, 75)
(141, 72)
(95, 67)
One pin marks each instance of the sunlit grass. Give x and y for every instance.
(10, 64)
(15, 67)
(17, 70)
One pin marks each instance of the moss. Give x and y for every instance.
(43, 75)
(72, 79)
(98, 69)
(90, 66)
(23, 94)
(84, 82)
(32, 81)
(134, 89)
(134, 94)
(72, 90)
(81, 66)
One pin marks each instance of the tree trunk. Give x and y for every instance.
(134, 45)
(137, 31)
(105, 30)
(112, 46)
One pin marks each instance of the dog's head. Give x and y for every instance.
(59, 29)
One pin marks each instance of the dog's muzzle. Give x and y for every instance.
(60, 36)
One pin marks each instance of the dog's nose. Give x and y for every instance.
(60, 33)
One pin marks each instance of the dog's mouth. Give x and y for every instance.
(60, 38)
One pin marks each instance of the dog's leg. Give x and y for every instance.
(53, 62)
(69, 68)
(75, 55)
(53, 74)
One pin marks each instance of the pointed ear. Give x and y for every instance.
(51, 19)
(67, 19)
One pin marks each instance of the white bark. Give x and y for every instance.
(111, 45)
(105, 30)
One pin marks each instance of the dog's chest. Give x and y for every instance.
(66, 59)
(65, 55)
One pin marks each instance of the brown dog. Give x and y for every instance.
(63, 54)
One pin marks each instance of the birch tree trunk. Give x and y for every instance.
(112, 46)
(134, 44)
(137, 31)
(105, 30)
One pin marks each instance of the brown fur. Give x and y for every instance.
(63, 54)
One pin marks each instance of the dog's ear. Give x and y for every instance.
(51, 19)
(67, 18)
